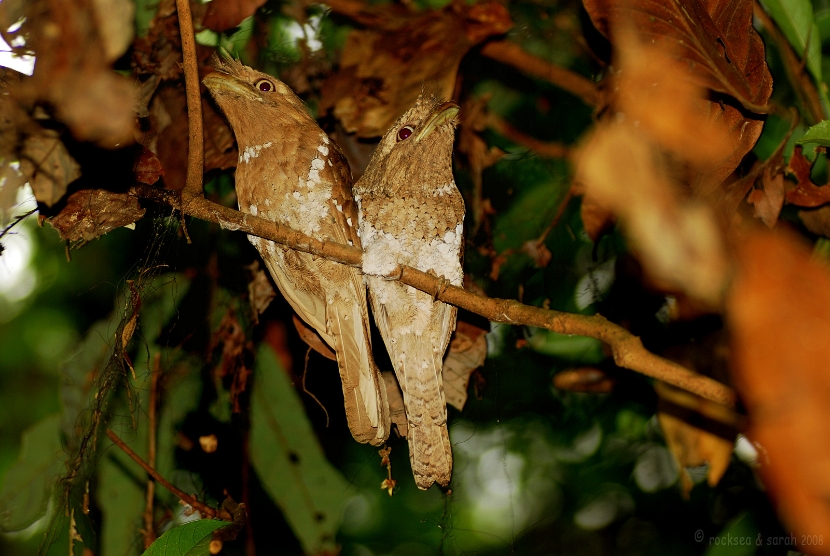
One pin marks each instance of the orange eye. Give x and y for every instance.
(264, 85)
(404, 132)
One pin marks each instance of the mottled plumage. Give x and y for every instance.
(290, 172)
(412, 213)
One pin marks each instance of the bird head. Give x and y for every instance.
(414, 156)
(259, 107)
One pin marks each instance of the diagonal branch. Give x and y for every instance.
(203, 509)
(627, 349)
(512, 54)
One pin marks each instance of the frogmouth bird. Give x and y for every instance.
(290, 172)
(412, 213)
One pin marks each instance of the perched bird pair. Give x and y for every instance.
(408, 211)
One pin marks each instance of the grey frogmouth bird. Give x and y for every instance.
(412, 213)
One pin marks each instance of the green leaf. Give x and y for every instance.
(25, 494)
(819, 133)
(795, 19)
(744, 536)
(190, 539)
(290, 462)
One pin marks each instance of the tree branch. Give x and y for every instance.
(196, 146)
(627, 349)
(203, 509)
(512, 54)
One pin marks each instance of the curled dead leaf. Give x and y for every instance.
(468, 350)
(678, 65)
(148, 167)
(91, 213)
(806, 193)
(770, 198)
(72, 73)
(384, 68)
(585, 379)
(678, 242)
(114, 20)
(697, 432)
(48, 166)
(260, 291)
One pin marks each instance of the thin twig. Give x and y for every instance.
(203, 509)
(196, 147)
(627, 349)
(543, 148)
(149, 522)
(307, 391)
(17, 221)
(514, 55)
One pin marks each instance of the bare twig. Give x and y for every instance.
(543, 148)
(514, 55)
(204, 509)
(17, 221)
(149, 522)
(627, 349)
(196, 147)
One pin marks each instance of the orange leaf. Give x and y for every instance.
(779, 316)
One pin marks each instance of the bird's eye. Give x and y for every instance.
(264, 85)
(404, 132)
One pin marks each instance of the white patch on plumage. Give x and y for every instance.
(307, 214)
(324, 150)
(252, 209)
(445, 189)
(252, 152)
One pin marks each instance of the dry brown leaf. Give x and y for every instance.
(596, 218)
(148, 167)
(697, 432)
(222, 15)
(715, 40)
(693, 48)
(778, 312)
(11, 180)
(384, 68)
(314, 341)
(585, 379)
(91, 213)
(677, 241)
(538, 251)
(806, 193)
(397, 413)
(260, 291)
(468, 350)
(72, 73)
(115, 22)
(48, 166)
(769, 200)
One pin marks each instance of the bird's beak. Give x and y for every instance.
(440, 115)
(222, 83)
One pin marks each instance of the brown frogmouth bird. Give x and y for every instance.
(290, 172)
(411, 213)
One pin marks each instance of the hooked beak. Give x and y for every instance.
(222, 83)
(440, 115)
